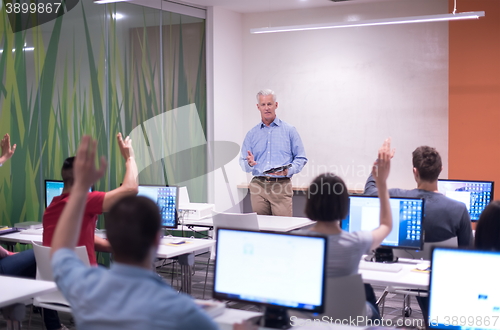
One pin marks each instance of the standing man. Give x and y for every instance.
(271, 144)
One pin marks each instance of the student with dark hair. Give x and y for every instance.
(97, 202)
(444, 217)
(130, 295)
(488, 228)
(328, 204)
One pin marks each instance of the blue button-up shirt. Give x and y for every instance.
(123, 297)
(272, 146)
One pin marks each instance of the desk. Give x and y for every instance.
(19, 237)
(185, 252)
(226, 320)
(266, 222)
(18, 290)
(406, 277)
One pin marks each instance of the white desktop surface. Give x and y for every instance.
(266, 222)
(406, 277)
(191, 245)
(232, 316)
(18, 290)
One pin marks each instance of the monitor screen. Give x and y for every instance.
(407, 217)
(166, 199)
(53, 188)
(464, 290)
(271, 269)
(474, 194)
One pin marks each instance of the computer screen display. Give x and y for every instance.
(166, 198)
(271, 269)
(464, 290)
(407, 217)
(53, 188)
(476, 195)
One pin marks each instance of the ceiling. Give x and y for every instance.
(254, 6)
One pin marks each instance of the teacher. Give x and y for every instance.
(272, 143)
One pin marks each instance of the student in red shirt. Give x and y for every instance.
(97, 202)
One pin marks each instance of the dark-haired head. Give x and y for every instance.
(327, 198)
(427, 161)
(488, 228)
(132, 227)
(67, 171)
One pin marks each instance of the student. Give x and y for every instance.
(97, 202)
(488, 228)
(129, 295)
(328, 204)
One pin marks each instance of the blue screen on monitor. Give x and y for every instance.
(53, 188)
(166, 199)
(407, 217)
(271, 269)
(476, 195)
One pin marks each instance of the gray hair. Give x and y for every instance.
(265, 92)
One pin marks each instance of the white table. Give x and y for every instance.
(184, 252)
(266, 222)
(18, 290)
(20, 237)
(406, 277)
(231, 316)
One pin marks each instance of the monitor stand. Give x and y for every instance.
(276, 318)
(385, 255)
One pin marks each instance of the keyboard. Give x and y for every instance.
(380, 267)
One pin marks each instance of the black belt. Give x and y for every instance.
(270, 179)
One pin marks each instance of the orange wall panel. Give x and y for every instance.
(474, 94)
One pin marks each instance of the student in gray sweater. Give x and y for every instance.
(444, 217)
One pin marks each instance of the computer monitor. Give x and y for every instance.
(277, 270)
(476, 195)
(464, 290)
(166, 197)
(53, 188)
(407, 218)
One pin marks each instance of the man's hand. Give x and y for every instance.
(382, 165)
(85, 172)
(250, 159)
(125, 146)
(7, 151)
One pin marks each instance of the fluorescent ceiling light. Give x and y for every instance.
(108, 1)
(372, 22)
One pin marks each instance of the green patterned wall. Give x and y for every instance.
(88, 72)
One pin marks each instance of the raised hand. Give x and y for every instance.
(7, 150)
(125, 146)
(85, 171)
(382, 165)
